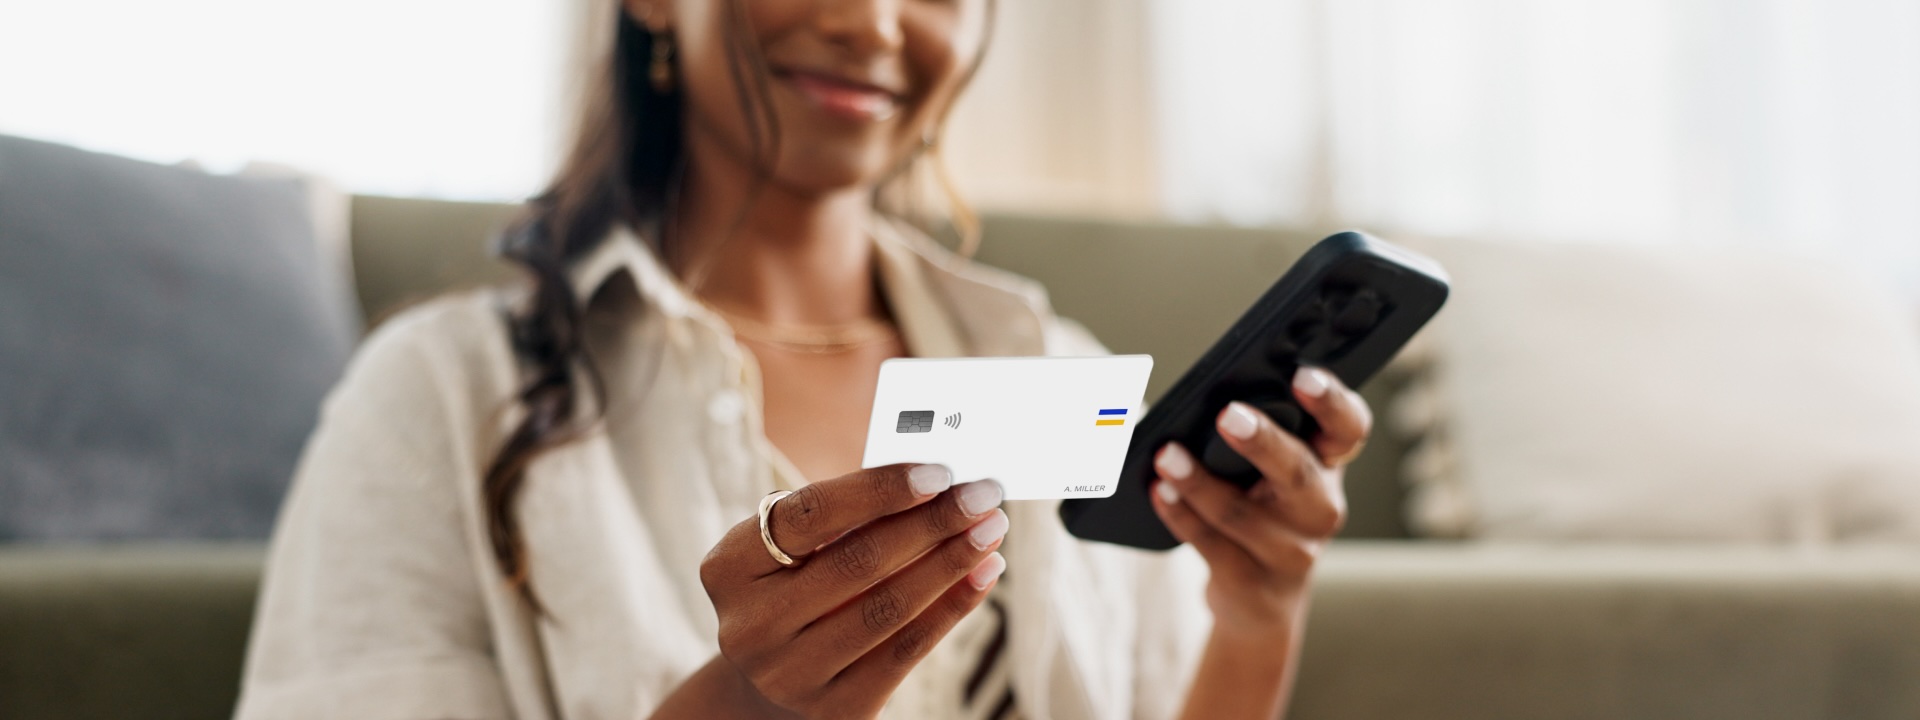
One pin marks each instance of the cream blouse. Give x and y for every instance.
(382, 602)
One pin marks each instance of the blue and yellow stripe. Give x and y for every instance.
(1111, 421)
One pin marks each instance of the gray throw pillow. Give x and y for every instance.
(165, 339)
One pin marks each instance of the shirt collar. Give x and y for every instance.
(946, 305)
(623, 253)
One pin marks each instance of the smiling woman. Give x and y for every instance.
(631, 486)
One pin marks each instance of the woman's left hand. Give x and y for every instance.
(1261, 543)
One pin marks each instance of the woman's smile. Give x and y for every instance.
(841, 96)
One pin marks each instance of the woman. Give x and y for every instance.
(547, 502)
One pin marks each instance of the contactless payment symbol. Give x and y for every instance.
(914, 421)
(1112, 416)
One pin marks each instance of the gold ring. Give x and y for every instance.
(766, 532)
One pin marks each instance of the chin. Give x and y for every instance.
(818, 173)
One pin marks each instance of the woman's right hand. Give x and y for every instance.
(890, 558)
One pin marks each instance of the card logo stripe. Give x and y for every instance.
(1114, 411)
(1115, 421)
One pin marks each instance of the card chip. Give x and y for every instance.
(915, 421)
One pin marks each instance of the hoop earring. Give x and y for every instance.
(660, 71)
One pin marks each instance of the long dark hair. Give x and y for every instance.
(621, 168)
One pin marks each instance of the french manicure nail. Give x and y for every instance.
(1311, 381)
(979, 497)
(1239, 421)
(1168, 493)
(988, 531)
(987, 571)
(929, 479)
(1174, 462)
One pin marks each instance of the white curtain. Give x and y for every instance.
(1784, 123)
(1060, 119)
(446, 98)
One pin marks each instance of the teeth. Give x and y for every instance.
(848, 98)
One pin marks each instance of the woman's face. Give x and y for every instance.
(854, 85)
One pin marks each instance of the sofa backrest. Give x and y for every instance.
(1164, 289)
(165, 338)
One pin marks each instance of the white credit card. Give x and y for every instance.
(1043, 427)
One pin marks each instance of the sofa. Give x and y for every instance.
(1402, 627)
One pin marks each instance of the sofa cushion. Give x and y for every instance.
(1591, 392)
(1436, 630)
(165, 338)
(151, 631)
(1428, 630)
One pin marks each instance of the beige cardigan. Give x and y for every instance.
(381, 601)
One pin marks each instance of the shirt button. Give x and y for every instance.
(725, 407)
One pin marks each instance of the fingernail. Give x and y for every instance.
(929, 479)
(1311, 381)
(1239, 421)
(987, 571)
(1174, 462)
(979, 497)
(988, 531)
(1168, 493)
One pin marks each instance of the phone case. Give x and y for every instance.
(1348, 305)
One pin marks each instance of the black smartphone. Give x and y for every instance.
(1348, 305)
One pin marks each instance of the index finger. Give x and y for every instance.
(816, 514)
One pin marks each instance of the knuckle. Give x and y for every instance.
(1319, 517)
(1352, 453)
(885, 484)
(855, 558)
(1236, 511)
(735, 642)
(958, 558)
(804, 512)
(710, 570)
(1336, 516)
(1275, 446)
(911, 643)
(1263, 492)
(1299, 557)
(1324, 523)
(883, 610)
(1300, 471)
(937, 519)
(1332, 516)
(719, 570)
(1243, 571)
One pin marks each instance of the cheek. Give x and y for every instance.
(942, 42)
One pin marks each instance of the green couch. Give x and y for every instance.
(1401, 628)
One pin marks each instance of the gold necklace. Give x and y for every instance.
(812, 339)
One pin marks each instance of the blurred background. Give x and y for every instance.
(1659, 456)
(1778, 122)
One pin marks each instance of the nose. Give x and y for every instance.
(864, 28)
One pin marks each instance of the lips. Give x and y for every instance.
(843, 97)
